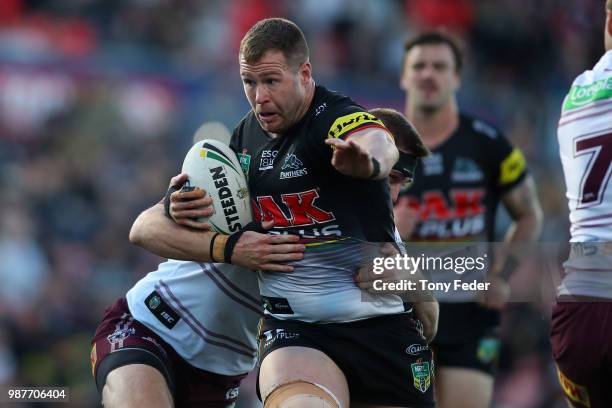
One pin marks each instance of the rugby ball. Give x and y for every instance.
(212, 166)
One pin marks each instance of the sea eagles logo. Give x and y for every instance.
(120, 334)
(294, 167)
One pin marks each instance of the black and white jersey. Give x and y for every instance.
(291, 181)
(457, 189)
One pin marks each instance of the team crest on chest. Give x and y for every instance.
(292, 167)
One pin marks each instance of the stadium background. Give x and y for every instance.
(99, 100)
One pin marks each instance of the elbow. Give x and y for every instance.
(532, 221)
(428, 313)
(433, 325)
(136, 232)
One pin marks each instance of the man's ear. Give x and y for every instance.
(305, 72)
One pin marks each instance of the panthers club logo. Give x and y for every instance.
(293, 166)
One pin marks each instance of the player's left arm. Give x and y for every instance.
(524, 208)
(369, 153)
(518, 195)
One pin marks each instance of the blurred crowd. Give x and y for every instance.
(99, 100)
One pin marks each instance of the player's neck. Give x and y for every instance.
(435, 127)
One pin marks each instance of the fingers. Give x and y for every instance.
(190, 204)
(271, 267)
(178, 180)
(388, 250)
(285, 257)
(285, 239)
(194, 194)
(204, 226)
(287, 248)
(267, 224)
(335, 142)
(197, 204)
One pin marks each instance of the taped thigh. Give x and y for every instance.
(296, 390)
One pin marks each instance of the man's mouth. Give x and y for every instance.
(267, 116)
(429, 87)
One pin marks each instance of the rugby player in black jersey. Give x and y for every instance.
(317, 165)
(455, 195)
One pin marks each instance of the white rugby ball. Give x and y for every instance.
(214, 167)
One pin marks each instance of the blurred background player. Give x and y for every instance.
(471, 169)
(581, 332)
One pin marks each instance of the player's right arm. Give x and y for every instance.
(157, 233)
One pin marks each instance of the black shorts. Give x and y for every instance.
(384, 359)
(120, 340)
(467, 337)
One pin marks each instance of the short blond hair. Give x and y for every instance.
(609, 5)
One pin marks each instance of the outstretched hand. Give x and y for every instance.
(350, 159)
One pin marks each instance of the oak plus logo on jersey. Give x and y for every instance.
(293, 210)
(293, 167)
(267, 159)
(461, 215)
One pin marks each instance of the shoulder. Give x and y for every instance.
(246, 123)
(591, 87)
(481, 129)
(337, 115)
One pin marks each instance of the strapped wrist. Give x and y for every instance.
(217, 244)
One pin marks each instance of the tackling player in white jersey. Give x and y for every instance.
(581, 329)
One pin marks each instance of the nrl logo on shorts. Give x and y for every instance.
(421, 375)
(120, 334)
(415, 349)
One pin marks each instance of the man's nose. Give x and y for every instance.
(261, 95)
(427, 72)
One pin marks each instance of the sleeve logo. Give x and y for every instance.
(512, 167)
(346, 124)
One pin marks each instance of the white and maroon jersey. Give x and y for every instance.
(585, 144)
(207, 312)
